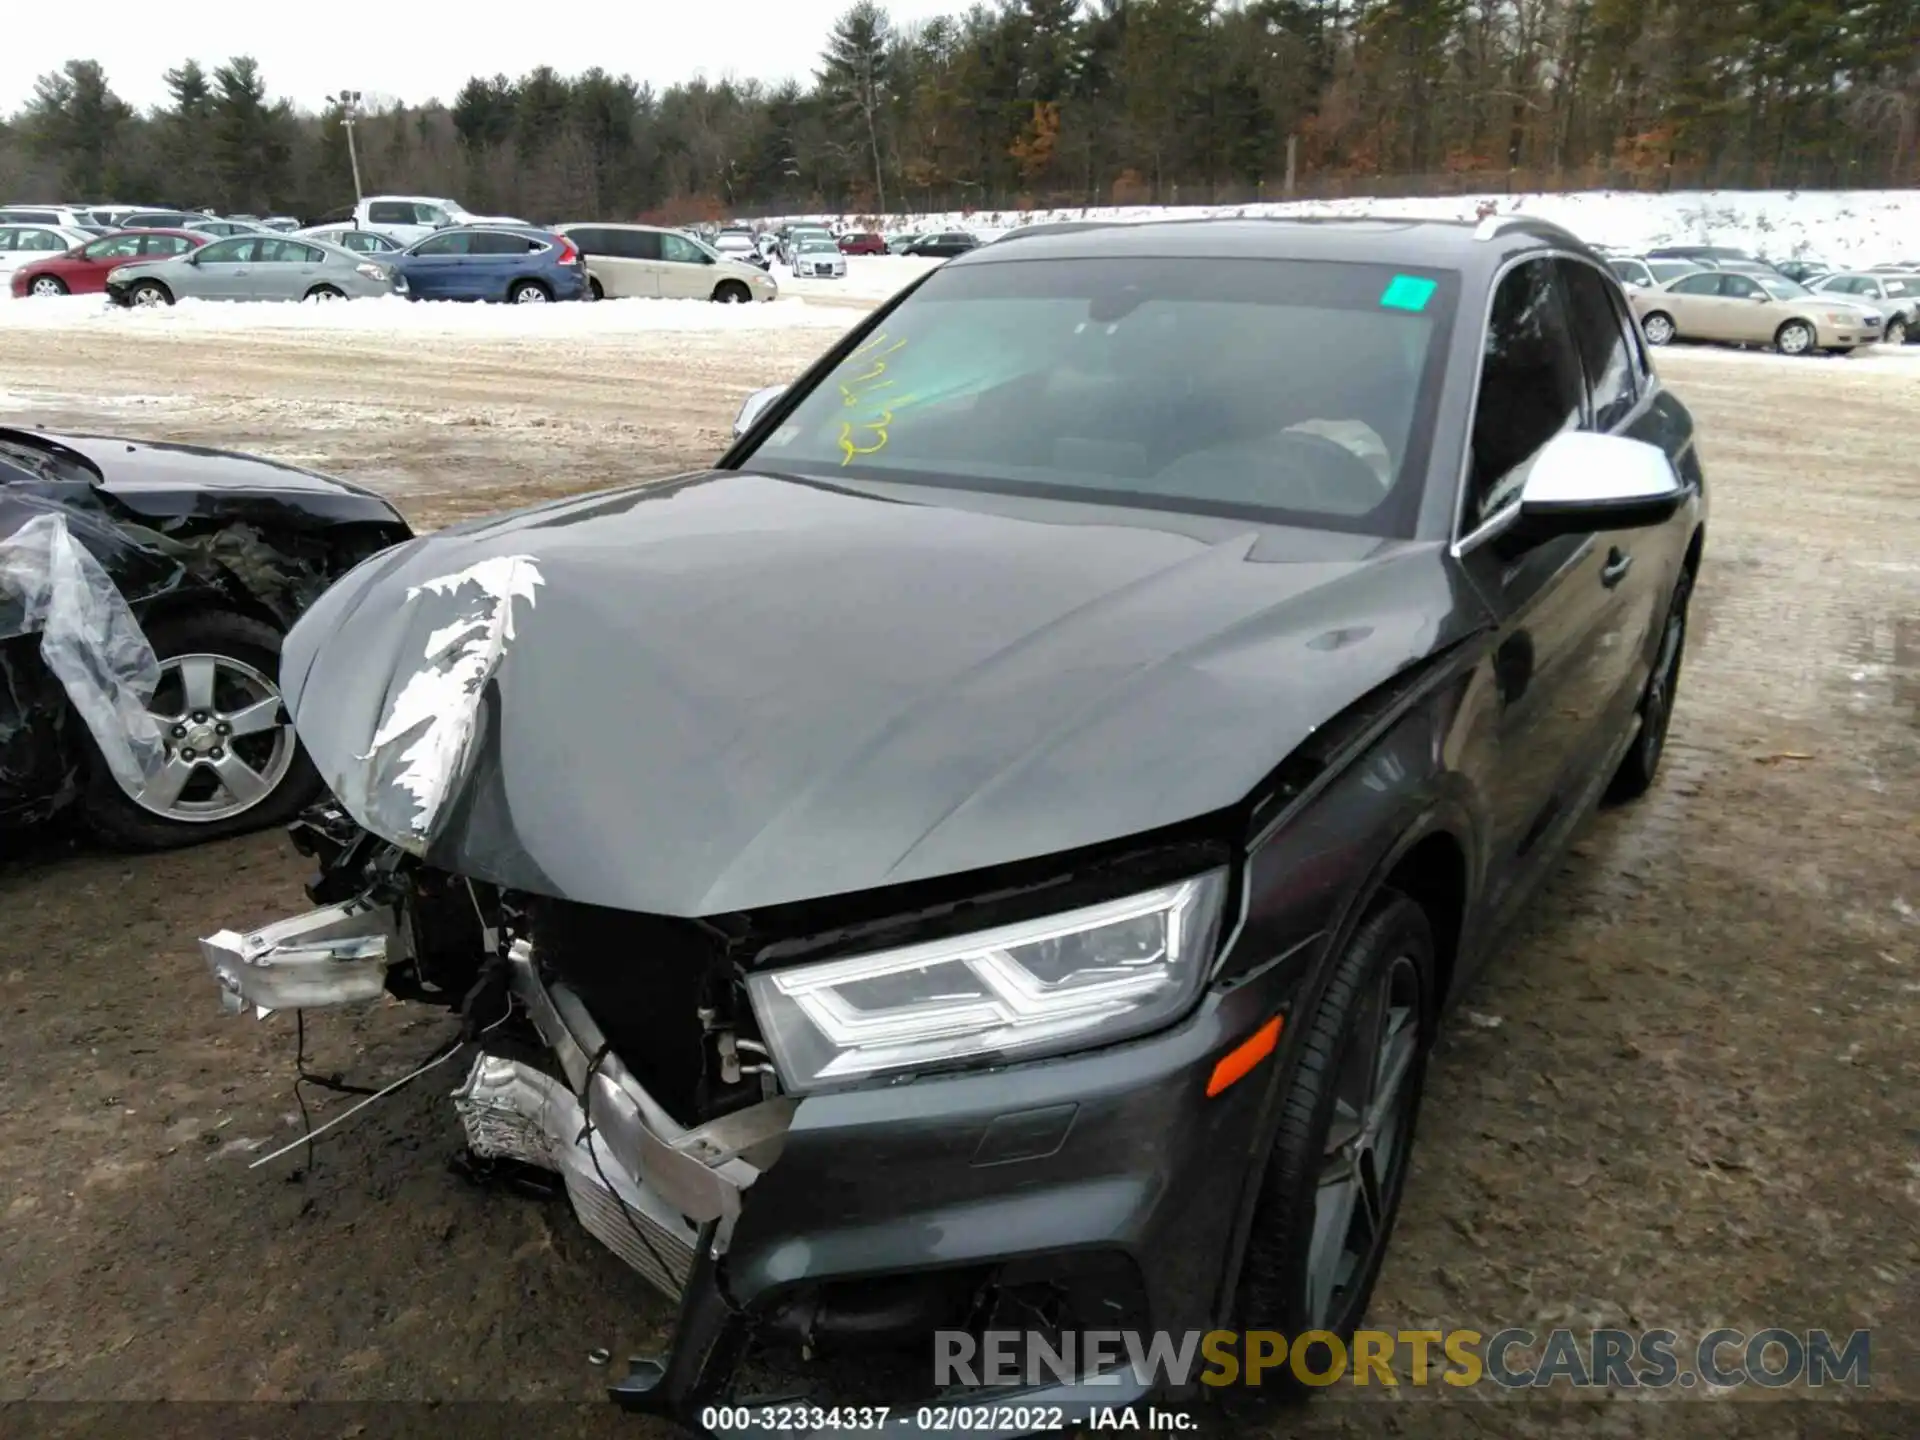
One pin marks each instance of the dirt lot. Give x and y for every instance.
(1685, 1098)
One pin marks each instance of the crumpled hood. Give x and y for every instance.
(731, 690)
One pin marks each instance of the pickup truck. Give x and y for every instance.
(408, 218)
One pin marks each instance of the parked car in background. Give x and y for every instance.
(1632, 270)
(1904, 266)
(790, 237)
(164, 219)
(1895, 296)
(1005, 841)
(1703, 252)
(740, 245)
(898, 244)
(254, 267)
(1731, 308)
(347, 237)
(25, 244)
(645, 262)
(230, 226)
(111, 216)
(862, 242)
(285, 224)
(83, 270)
(408, 218)
(208, 557)
(816, 257)
(518, 265)
(63, 217)
(944, 244)
(1804, 271)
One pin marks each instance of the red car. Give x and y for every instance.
(83, 271)
(863, 242)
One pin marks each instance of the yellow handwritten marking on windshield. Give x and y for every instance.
(864, 387)
(878, 428)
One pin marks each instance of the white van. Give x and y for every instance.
(408, 218)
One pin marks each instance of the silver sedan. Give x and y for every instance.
(255, 267)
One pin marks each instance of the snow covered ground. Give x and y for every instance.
(429, 317)
(1845, 227)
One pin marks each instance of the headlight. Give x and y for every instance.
(1063, 982)
(372, 271)
(114, 277)
(1842, 317)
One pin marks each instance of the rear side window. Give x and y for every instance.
(590, 240)
(1531, 386)
(390, 212)
(495, 242)
(1602, 343)
(36, 217)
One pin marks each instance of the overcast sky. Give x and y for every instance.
(417, 52)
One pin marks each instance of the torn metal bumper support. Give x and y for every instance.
(659, 1171)
(91, 643)
(335, 955)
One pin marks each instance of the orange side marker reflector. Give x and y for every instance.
(1238, 1062)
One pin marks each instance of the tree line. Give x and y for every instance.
(1060, 102)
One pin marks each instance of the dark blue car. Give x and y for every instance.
(523, 266)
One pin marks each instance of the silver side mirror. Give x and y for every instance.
(754, 406)
(1581, 482)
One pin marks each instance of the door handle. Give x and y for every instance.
(1615, 570)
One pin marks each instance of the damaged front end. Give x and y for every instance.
(813, 1236)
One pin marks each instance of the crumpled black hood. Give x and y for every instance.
(731, 690)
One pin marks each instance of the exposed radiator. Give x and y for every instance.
(511, 1111)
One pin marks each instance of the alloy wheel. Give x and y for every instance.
(1658, 329)
(1366, 1149)
(228, 744)
(149, 295)
(1794, 338)
(45, 285)
(530, 295)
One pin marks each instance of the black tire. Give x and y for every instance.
(1658, 327)
(44, 285)
(325, 292)
(594, 286)
(117, 818)
(1896, 333)
(1796, 337)
(1642, 761)
(731, 292)
(149, 292)
(528, 292)
(1393, 940)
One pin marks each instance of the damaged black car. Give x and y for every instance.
(994, 852)
(144, 591)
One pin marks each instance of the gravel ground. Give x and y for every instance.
(1684, 1097)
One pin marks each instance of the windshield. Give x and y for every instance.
(1781, 288)
(814, 242)
(1291, 391)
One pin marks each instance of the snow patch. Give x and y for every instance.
(439, 706)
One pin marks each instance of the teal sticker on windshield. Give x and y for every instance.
(1407, 292)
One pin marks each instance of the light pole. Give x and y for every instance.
(349, 103)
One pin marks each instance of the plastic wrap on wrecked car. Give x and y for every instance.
(89, 640)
